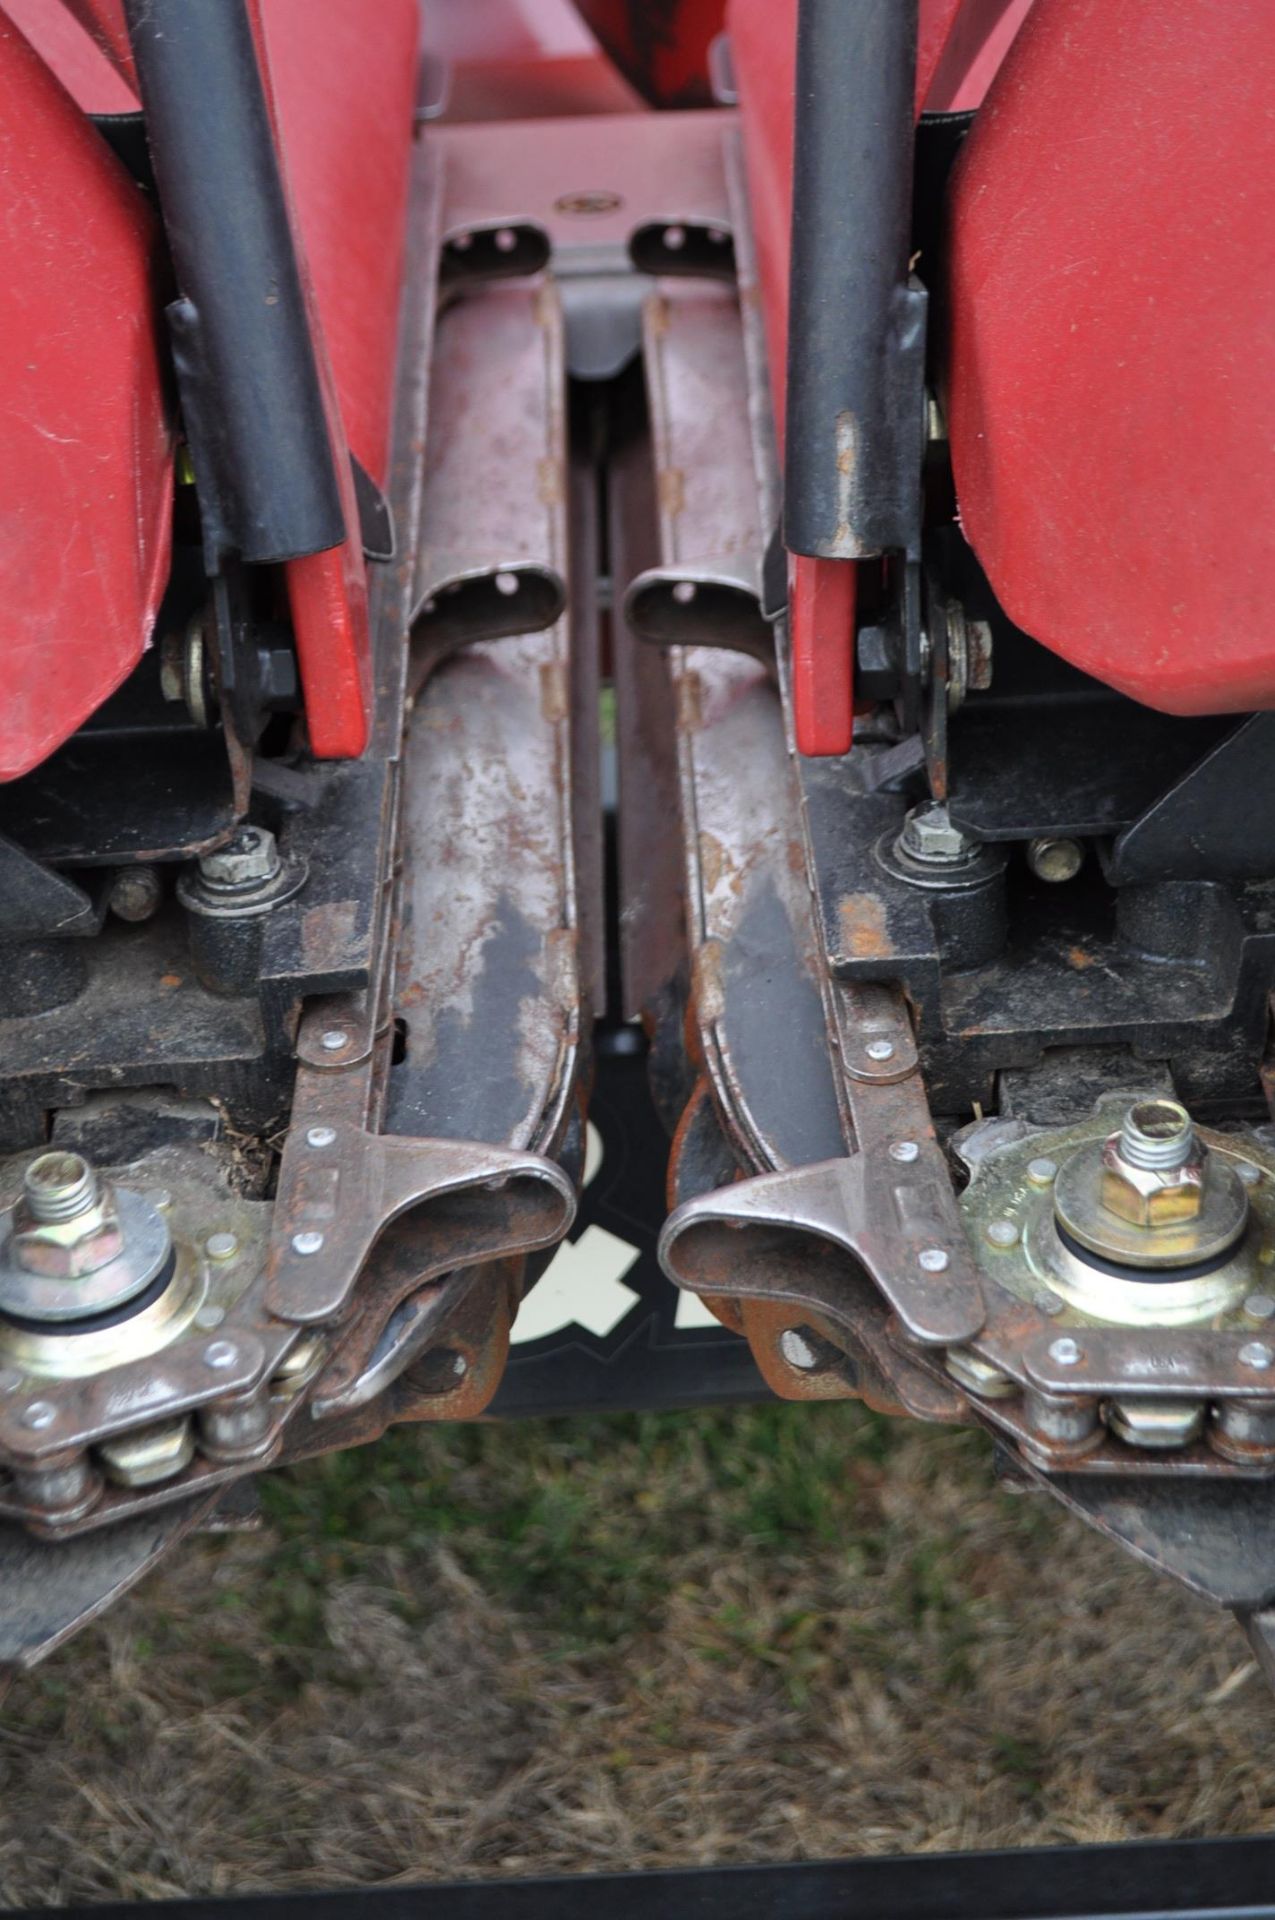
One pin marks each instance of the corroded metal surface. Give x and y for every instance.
(416, 1177)
(801, 1070)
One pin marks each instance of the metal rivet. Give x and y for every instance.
(1046, 1302)
(333, 1040)
(684, 591)
(209, 1317)
(221, 1246)
(797, 1350)
(460, 1366)
(880, 1049)
(1260, 1306)
(10, 1380)
(932, 1260)
(308, 1242)
(905, 1150)
(1254, 1354)
(507, 583)
(1065, 1352)
(220, 1353)
(160, 1198)
(320, 1136)
(675, 238)
(40, 1414)
(1003, 1233)
(506, 240)
(1249, 1174)
(1042, 1172)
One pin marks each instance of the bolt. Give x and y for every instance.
(209, 1317)
(460, 1366)
(675, 238)
(1065, 1352)
(58, 1186)
(1002, 1233)
(507, 583)
(136, 893)
(220, 1354)
(1046, 1302)
(684, 592)
(160, 1198)
(248, 860)
(308, 1242)
(506, 240)
(221, 1246)
(333, 1040)
(929, 835)
(904, 1150)
(1157, 1135)
(1260, 1306)
(1042, 1172)
(1055, 860)
(1255, 1354)
(1250, 1175)
(880, 1050)
(932, 1260)
(320, 1136)
(39, 1415)
(797, 1350)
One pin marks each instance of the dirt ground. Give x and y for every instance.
(773, 1633)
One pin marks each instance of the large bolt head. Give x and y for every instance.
(1152, 1196)
(247, 860)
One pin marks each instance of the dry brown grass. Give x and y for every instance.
(766, 1634)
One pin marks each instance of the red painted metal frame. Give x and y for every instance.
(78, 284)
(343, 102)
(960, 42)
(1112, 370)
(86, 448)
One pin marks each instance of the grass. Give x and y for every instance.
(766, 1633)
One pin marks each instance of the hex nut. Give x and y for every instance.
(247, 860)
(1153, 1169)
(930, 835)
(1151, 1196)
(68, 1249)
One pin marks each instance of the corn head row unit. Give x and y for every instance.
(781, 573)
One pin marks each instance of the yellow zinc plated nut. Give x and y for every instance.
(65, 1226)
(1154, 1195)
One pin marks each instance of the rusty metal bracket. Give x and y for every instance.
(339, 1188)
(895, 1220)
(801, 1069)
